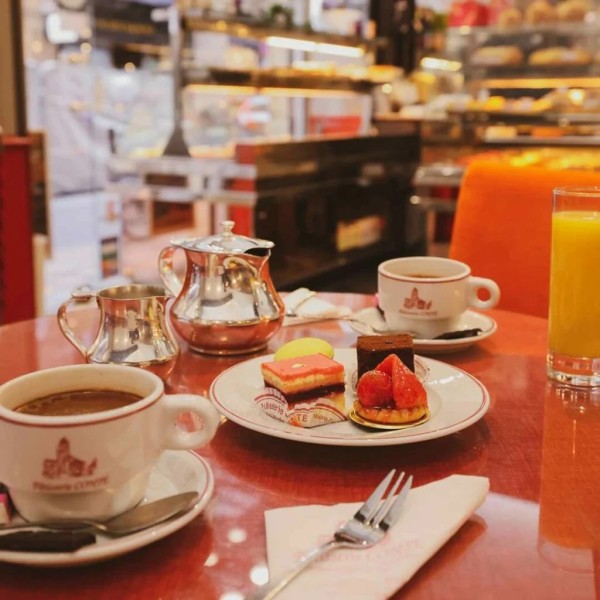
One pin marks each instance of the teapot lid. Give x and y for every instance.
(225, 242)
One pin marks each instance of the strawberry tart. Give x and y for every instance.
(391, 394)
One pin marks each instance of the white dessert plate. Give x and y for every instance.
(470, 320)
(177, 471)
(456, 400)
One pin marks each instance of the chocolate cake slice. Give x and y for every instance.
(372, 349)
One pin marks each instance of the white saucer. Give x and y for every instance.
(176, 471)
(456, 400)
(470, 320)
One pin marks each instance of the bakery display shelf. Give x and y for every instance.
(259, 79)
(576, 29)
(544, 56)
(549, 76)
(524, 82)
(578, 118)
(252, 28)
(282, 81)
(484, 117)
(592, 141)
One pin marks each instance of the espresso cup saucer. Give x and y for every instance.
(176, 471)
(470, 320)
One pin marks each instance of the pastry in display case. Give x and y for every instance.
(557, 56)
(492, 56)
(532, 72)
(525, 34)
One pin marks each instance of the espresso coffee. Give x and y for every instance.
(423, 276)
(77, 402)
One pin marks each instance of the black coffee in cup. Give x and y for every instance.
(77, 402)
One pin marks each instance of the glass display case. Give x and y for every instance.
(525, 90)
(269, 73)
(533, 75)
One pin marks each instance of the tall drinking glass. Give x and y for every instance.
(574, 328)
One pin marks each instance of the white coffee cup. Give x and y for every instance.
(428, 295)
(92, 465)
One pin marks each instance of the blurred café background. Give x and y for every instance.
(338, 129)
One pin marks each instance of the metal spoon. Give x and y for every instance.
(135, 519)
(293, 310)
(383, 329)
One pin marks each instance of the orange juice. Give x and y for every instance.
(574, 328)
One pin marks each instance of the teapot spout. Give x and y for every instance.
(260, 252)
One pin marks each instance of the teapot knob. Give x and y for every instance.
(227, 228)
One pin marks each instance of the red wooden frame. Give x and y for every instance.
(17, 296)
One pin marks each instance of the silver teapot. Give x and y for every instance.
(226, 303)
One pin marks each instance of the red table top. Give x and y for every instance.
(537, 535)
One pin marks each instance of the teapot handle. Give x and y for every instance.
(167, 274)
(236, 260)
(63, 323)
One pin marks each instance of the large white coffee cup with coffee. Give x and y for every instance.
(429, 295)
(93, 465)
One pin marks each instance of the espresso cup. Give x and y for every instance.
(95, 465)
(428, 295)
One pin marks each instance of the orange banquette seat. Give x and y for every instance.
(502, 228)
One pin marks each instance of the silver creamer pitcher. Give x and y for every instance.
(226, 302)
(133, 328)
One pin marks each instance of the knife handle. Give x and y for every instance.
(46, 541)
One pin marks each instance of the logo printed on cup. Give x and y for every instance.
(414, 302)
(65, 464)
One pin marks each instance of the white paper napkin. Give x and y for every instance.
(310, 307)
(432, 514)
(372, 317)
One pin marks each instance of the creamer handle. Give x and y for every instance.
(167, 274)
(63, 323)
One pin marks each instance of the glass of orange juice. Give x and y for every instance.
(574, 318)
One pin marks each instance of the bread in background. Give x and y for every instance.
(540, 11)
(510, 17)
(493, 56)
(572, 10)
(559, 55)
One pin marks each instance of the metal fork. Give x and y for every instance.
(365, 529)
